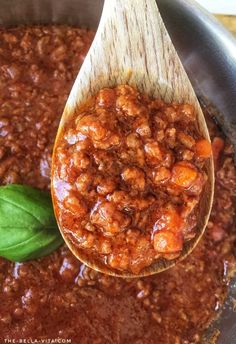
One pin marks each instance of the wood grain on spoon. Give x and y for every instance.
(132, 46)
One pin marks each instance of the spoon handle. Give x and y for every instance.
(138, 37)
(132, 46)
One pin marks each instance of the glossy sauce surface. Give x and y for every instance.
(128, 175)
(57, 296)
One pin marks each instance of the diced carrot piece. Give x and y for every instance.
(203, 149)
(184, 174)
(168, 242)
(168, 219)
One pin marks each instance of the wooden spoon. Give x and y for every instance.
(132, 46)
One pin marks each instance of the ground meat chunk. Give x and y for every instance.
(134, 177)
(109, 219)
(161, 175)
(153, 152)
(168, 242)
(91, 126)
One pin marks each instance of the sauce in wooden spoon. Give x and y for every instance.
(133, 47)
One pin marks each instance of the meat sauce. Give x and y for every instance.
(57, 296)
(128, 176)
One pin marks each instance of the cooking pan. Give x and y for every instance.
(207, 50)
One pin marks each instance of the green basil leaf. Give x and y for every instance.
(28, 228)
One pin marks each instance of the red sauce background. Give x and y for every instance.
(57, 296)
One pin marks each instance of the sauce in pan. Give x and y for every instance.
(57, 296)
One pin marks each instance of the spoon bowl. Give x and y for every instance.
(132, 46)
